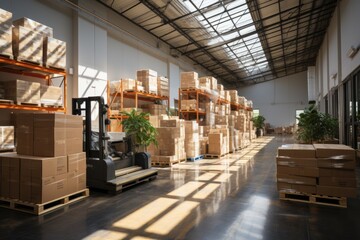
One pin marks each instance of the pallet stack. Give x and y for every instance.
(149, 80)
(6, 138)
(5, 33)
(171, 140)
(192, 140)
(49, 164)
(317, 173)
(163, 86)
(189, 80)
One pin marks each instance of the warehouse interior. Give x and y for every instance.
(218, 66)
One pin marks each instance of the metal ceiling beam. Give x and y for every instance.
(175, 26)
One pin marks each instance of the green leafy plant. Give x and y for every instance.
(315, 126)
(139, 129)
(259, 121)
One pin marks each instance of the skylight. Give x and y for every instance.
(231, 26)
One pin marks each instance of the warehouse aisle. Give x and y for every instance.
(234, 197)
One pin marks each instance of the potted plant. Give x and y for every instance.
(259, 123)
(139, 129)
(315, 126)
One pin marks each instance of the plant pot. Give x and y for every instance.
(259, 132)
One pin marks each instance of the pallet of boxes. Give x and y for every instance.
(319, 173)
(48, 171)
(171, 140)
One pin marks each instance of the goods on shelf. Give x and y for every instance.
(188, 104)
(205, 83)
(6, 137)
(163, 86)
(27, 45)
(323, 169)
(189, 80)
(48, 135)
(51, 95)
(54, 53)
(234, 98)
(148, 78)
(154, 109)
(192, 144)
(5, 33)
(22, 91)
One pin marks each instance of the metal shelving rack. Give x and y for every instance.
(121, 94)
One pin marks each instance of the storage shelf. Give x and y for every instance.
(12, 66)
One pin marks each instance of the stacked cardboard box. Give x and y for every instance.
(297, 168)
(227, 95)
(205, 83)
(22, 91)
(323, 169)
(189, 80)
(27, 44)
(192, 144)
(48, 135)
(171, 139)
(32, 25)
(5, 33)
(188, 104)
(51, 95)
(40, 179)
(163, 86)
(337, 176)
(54, 53)
(149, 80)
(234, 98)
(219, 140)
(127, 84)
(6, 137)
(154, 109)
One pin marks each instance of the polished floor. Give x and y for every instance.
(234, 197)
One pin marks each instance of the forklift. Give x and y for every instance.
(107, 168)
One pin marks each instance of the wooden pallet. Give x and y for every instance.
(2, 150)
(8, 56)
(28, 104)
(314, 199)
(51, 105)
(39, 209)
(193, 159)
(214, 155)
(166, 163)
(5, 101)
(54, 67)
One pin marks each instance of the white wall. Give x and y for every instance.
(278, 99)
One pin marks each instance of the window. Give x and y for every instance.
(297, 115)
(256, 112)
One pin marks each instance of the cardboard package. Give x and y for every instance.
(298, 171)
(5, 33)
(337, 151)
(25, 134)
(297, 151)
(51, 95)
(27, 44)
(76, 172)
(10, 176)
(42, 179)
(338, 181)
(296, 162)
(6, 137)
(148, 78)
(189, 80)
(293, 179)
(22, 91)
(54, 53)
(337, 191)
(310, 189)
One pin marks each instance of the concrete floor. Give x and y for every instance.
(234, 197)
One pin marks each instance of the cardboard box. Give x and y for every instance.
(25, 134)
(336, 163)
(27, 44)
(6, 137)
(73, 134)
(337, 191)
(341, 173)
(337, 182)
(296, 188)
(298, 171)
(21, 91)
(51, 95)
(76, 172)
(296, 162)
(10, 176)
(337, 151)
(216, 143)
(54, 53)
(43, 179)
(5, 32)
(293, 179)
(297, 151)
